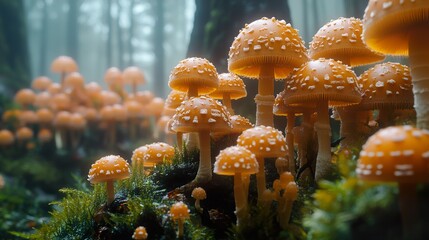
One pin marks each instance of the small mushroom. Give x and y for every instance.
(25, 97)
(140, 233)
(41, 83)
(237, 161)
(63, 65)
(24, 134)
(179, 212)
(45, 117)
(230, 87)
(6, 138)
(151, 155)
(199, 194)
(44, 135)
(109, 169)
(133, 76)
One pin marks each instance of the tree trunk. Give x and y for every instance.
(73, 30)
(131, 34)
(158, 41)
(43, 40)
(119, 37)
(109, 34)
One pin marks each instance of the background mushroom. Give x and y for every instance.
(199, 194)
(230, 87)
(63, 65)
(140, 233)
(6, 138)
(133, 76)
(266, 49)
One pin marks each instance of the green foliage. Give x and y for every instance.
(349, 208)
(83, 214)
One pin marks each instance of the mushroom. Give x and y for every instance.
(41, 83)
(199, 194)
(161, 125)
(6, 138)
(230, 87)
(61, 123)
(402, 28)
(133, 76)
(290, 195)
(195, 76)
(281, 109)
(324, 82)
(264, 142)
(44, 135)
(239, 124)
(28, 117)
(387, 87)
(202, 115)
(140, 233)
(54, 88)
(76, 124)
(60, 102)
(143, 97)
(179, 135)
(179, 212)
(237, 161)
(76, 83)
(266, 49)
(152, 154)
(341, 39)
(45, 117)
(42, 100)
(398, 154)
(25, 97)
(24, 134)
(113, 78)
(109, 169)
(173, 101)
(154, 110)
(63, 65)
(134, 110)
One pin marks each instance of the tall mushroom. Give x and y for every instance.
(402, 28)
(202, 115)
(109, 169)
(237, 161)
(264, 142)
(398, 154)
(230, 87)
(266, 49)
(324, 82)
(63, 65)
(133, 76)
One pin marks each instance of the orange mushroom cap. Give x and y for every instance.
(341, 39)
(198, 72)
(45, 116)
(174, 99)
(266, 41)
(25, 96)
(140, 233)
(153, 154)
(42, 99)
(60, 101)
(231, 84)
(92, 89)
(41, 83)
(24, 133)
(323, 79)
(201, 114)
(263, 141)
(133, 75)
(386, 85)
(162, 122)
(62, 119)
(109, 168)
(239, 124)
(178, 211)
(44, 135)
(6, 137)
(76, 121)
(398, 154)
(281, 109)
(109, 98)
(74, 80)
(154, 108)
(63, 64)
(113, 76)
(54, 88)
(143, 97)
(236, 159)
(387, 24)
(133, 108)
(199, 193)
(28, 117)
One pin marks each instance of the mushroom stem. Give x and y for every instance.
(240, 200)
(354, 127)
(179, 139)
(246, 182)
(289, 142)
(226, 100)
(192, 92)
(408, 205)
(134, 87)
(133, 128)
(204, 173)
(180, 227)
(198, 206)
(110, 192)
(260, 179)
(63, 76)
(419, 66)
(323, 129)
(265, 98)
(303, 145)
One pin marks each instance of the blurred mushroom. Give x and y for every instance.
(134, 110)
(133, 76)
(24, 134)
(398, 154)
(151, 155)
(402, 28)
(54, 88)
(6, 138)
(76, 124)
(173, 101)
(140, 233)
(61, 123)
(202, 115)
(154, 111)
(199, 194)
(41, 83)
(237, 161)
(42, 100)
(266, 49)
(63, 65)
(44, 135)
(45, 117)
(179, 212)
(264, 142)
(25, 97)
(28, 118)
(230, 87)
(109, 169)
(113, 78)
(324, 82)
(161, 125)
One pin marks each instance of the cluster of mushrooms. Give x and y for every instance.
(64, 111)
